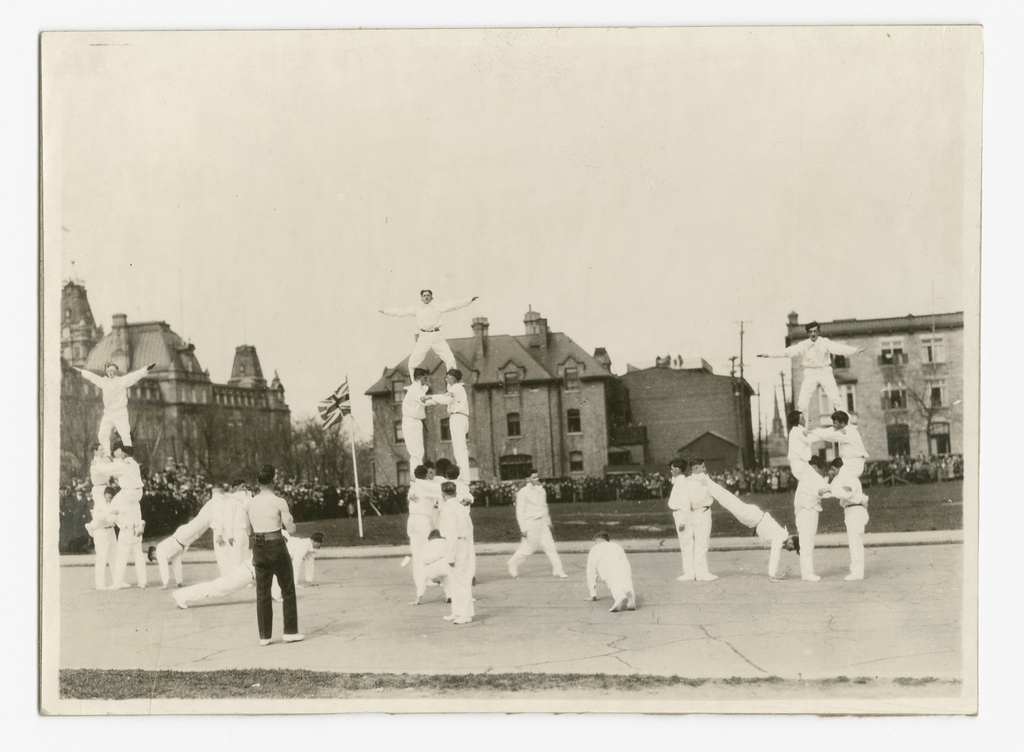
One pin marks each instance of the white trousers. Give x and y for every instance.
(694, 542)
(618, 576)
(129, 536)
(462, 582)
(427, 341)
(168, 552)
(412, 431)
(856, 521)
(799, 468)
(229, 583)
(458, 426)
(770, 530)
(807, 527)
(437, 570)
(418, 529)
(105, 542)
(813, 378)
(538, 535)
(115, 419)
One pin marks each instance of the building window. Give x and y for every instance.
(575, 462)
(512, 423)
(446, 432)
(933, 347)
(399, 436)
(938, 436)
(572, 379)
(840, 361)
(397, 391)
(515, 466)
(402, 472)
(573, 419)
(848, 393)
(898, 436)
(936, 392)
(894, 397)
(512, 384)
(892, 352)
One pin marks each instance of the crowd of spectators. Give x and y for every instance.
(174, 496)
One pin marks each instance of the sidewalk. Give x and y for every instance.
(642, 545)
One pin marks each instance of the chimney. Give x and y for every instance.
(480, 327)
(660, 362)
(120, 354)
(601, 356)
(536, 328)
(793, 318)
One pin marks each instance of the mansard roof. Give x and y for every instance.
(150, 342)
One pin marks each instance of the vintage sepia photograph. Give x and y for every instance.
(597, 370)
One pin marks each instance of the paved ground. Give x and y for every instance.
(904, 620)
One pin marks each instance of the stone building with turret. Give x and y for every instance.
(177, 413)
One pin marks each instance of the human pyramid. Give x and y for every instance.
(254, 537)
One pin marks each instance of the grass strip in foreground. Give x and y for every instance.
(138, 684)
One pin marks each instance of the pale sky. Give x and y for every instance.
(645, 190)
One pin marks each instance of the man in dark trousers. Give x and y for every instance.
(268, 514)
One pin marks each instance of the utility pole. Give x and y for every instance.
(786, 403)
(741, 323)
(760, 445)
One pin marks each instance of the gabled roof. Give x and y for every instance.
(148, 342)
(480, 369)
(717, 435)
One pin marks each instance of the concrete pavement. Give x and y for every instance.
(904, 620)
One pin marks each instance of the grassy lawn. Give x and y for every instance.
(136, 684)
(910, 508)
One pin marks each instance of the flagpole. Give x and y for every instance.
(355, 466)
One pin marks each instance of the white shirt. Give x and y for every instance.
(115, 390)
(300, 548)
(455, 398)
(679, 500)
(424, 497)
(848, 498)
(412, 405)
(128, 474)
(229, 518)
(532, 506)
(800, 444)
(433, 550)
(428, 315)
(807, 492)
(100, 471)
(606, 559)
(849, 440)
(700, 493)
(814, 354)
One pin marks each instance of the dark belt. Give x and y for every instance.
(466, 414)
(854, 505)
(431, 331)
(273, 535)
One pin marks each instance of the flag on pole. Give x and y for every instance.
(337, 406)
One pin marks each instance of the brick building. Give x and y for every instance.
(905, 391)
(177, 413)
(537, 399)
(686, 410)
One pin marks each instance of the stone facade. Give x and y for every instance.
(177, 413)
(905, 391)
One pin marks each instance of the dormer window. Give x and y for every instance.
(572, 379)
(512, 384)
